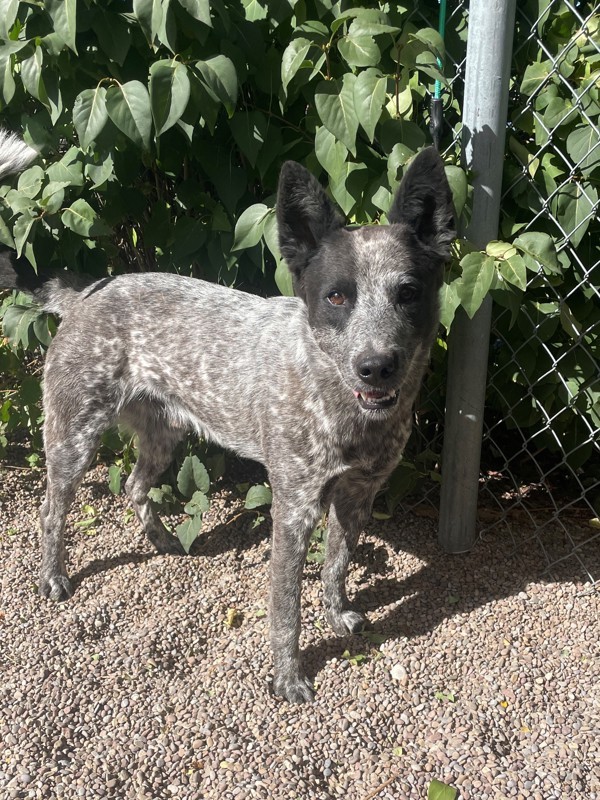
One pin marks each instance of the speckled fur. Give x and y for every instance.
(275, 380)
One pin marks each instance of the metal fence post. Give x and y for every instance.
(489, 50)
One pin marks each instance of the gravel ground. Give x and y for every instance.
(488, 678)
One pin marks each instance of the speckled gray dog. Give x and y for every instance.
(319, 387)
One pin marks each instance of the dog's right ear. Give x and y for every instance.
(304, 216)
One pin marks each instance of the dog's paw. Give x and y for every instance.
(294, 689)
(165, 543)
(345, 622)
(55, 587)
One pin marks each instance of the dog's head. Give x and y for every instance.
(372, 291)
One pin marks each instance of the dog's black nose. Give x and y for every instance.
(376, 368)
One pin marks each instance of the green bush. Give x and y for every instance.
(162, 126)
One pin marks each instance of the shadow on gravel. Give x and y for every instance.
(442, 587)
(102, 565)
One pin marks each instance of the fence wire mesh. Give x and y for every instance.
(540, 470)
(541, 458)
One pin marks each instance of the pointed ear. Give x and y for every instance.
(304, 216)
(423, 202)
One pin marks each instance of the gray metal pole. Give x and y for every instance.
(489, 52)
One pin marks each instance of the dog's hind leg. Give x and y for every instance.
(350, 510)
(70, 446)
(156, 444)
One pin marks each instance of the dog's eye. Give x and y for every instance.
(407, 294)
(336, 298)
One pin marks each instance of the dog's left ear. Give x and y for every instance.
(304, 216)
(423, 202)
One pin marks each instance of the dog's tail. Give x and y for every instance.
(53, 290)
(15, 155)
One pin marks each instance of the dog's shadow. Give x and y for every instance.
(439, 586)
(235, 533)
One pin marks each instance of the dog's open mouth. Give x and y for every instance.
(375, 400)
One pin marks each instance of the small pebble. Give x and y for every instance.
(135, 689)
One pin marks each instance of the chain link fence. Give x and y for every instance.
(541, 458)
(540, 467)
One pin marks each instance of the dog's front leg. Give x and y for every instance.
(291, 534)
(350, 511)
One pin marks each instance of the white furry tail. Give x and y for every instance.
(15, 155)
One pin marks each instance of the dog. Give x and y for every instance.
(318, 387)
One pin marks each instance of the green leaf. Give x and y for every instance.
(220, 77)
(198, 9)
(164, 28)
(53, 195)
(43, 328)
(368, 17)
(259, 495)
(162, 496)
(330, 153)
(128, 106)
(535, 75)
(149, 14)
(559, 111)
(432, 39)
(30, 181)
(114, 35)
(336, 108)
(514, 271)
(192, 476)
(457, 179)
(255, 10)
(583, 145)
(64, 17)
(16, 323)
(169, 93)
(89, 114)
(574, 208)
(198, 504)
(250, 132)
(114, 479)
(369, 99)
(31, 74)
(500, 250)
(69, 170)
(81, 218)
(540, 247)
(370, 26)
(441, 791)
(293, 57)
(7, 82)
(8, 14)
(22, 229)
(477, 275)
(359, 50)
(569, 322)
(250, 225)
(101, 171)
(348, 188)
(188, 531)
(449, 302)
(283, 277)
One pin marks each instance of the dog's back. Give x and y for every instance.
(212, 359)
